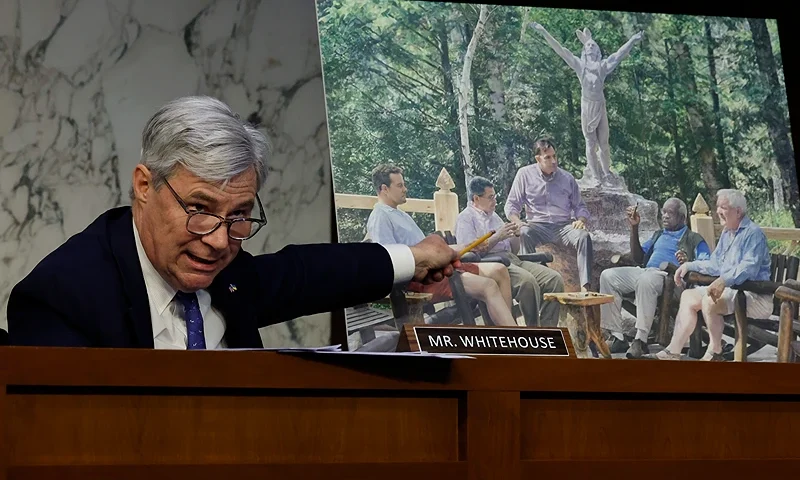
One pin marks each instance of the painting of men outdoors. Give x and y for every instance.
(644, 159)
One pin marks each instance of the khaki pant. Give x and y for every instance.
(646, 283)
(529, 282)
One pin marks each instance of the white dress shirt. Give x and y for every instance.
(166, 313)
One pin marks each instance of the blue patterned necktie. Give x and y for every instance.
(194, 321)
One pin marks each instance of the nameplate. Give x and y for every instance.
(487, 340)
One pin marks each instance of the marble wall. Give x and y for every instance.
(79, 78)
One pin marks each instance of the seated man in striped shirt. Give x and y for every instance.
(529, 280)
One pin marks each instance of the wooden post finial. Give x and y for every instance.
(445, 181)
(700, 207)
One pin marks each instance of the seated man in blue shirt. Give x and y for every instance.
(674, 243)
(742, 254)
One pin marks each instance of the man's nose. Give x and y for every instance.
(218, 239)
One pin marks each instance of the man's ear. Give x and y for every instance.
(142, 183)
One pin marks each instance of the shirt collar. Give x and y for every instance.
(677, 232)
(477, 210)
(159, 292)
(742, 225)
(542, 175)
(384, 206)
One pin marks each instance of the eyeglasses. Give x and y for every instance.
(204, 223)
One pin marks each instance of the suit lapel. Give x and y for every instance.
(230, 292)
(231, 295)
(123, 247)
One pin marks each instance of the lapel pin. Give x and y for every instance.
(232, 288)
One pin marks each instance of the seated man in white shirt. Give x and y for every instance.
(387, 224)
(529, 280)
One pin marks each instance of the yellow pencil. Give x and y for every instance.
(476, 243)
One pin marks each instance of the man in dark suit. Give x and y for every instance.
(168, 272)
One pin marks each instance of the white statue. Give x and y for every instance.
(592, 71)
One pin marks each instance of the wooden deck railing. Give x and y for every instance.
(702, 222)
(444, 206)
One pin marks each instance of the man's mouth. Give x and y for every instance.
(200, 259)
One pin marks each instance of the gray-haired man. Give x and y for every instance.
(169, 271)
(741, 254)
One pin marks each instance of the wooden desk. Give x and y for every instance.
(134, 414)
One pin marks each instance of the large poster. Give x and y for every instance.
(642, 159)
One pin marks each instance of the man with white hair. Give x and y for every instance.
(169, 272)
(673, 243)
(741, 255)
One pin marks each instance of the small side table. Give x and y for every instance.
(408, 307)
(580, 313)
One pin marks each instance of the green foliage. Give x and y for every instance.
(781, 219)
(391, 69)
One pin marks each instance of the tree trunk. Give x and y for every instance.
(504, 157)
(722, 162)
(774, 115)
(699, 122)
(464, 95)
(779, 201)
(575, 135)
(450, 94)
(677, 159)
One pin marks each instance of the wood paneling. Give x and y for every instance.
(604, 429)
(4, 443)
(493, 435)
(92, 414)
(325, 471)
(153, 368)
(633, 469)
(121, 429)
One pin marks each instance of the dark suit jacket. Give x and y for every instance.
(90, 292)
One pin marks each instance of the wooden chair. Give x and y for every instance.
(759, 332)
(465, 308)
(363, 319)
(788, 328)
(471, 257)
(411, 307)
